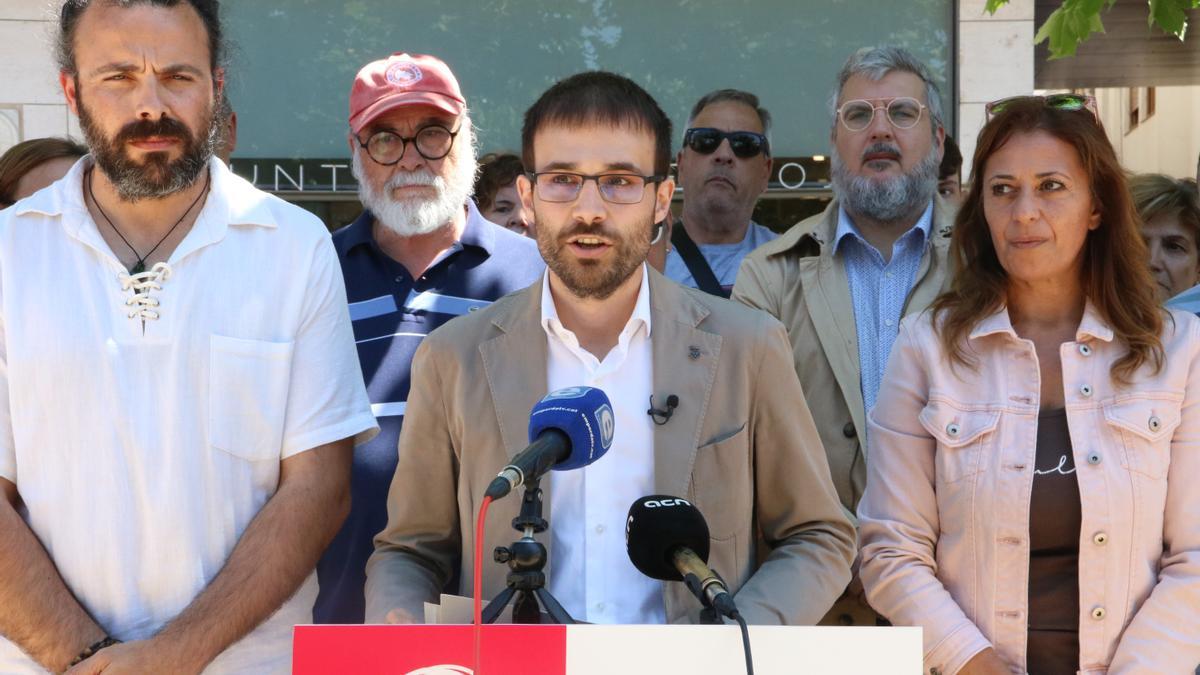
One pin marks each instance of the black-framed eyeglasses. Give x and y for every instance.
(744, 144)
(386, 147)
(1068, 102)
(615, 188)
(902, 112)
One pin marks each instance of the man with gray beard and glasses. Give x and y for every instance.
(418, 256)
(842, 280)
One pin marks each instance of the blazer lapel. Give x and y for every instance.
(827, 295)
(514, 364)
(685, 364)
(931, 275)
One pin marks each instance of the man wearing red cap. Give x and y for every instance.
(418, 256)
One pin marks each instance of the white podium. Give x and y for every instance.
(595, 650)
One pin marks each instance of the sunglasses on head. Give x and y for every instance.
(744, 144)
(1068, 102)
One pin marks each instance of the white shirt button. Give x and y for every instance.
(888, 322)
(599, 529)
(599, 606)
(1085, 350)
(1098, 613)
(1100, 539)
(1086, 391)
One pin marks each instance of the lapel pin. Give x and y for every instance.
(693, 352)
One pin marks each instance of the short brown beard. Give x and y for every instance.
(587, 279)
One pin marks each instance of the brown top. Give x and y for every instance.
(1054, 521)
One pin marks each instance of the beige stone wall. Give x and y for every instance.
(995, 60)
(1166, 142)
(31, 102)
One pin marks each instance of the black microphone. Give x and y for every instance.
(568, 429)
(656, 413)
(667, 539)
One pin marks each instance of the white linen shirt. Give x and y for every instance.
(143, 448)
(590, 573)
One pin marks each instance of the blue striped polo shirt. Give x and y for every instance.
(391, 313)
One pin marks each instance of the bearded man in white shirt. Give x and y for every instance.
(178, 416)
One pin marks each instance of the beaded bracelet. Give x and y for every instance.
(108, 641)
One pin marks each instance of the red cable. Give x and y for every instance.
(478, 574)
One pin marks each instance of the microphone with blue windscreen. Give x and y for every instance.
(568, 429)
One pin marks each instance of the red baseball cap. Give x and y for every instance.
(399, 80)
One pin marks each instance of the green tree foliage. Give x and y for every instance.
(1075, 20)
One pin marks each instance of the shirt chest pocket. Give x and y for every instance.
(247, 396)
(1144, 427)
(962, 437)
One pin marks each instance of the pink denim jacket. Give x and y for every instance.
(944, 523)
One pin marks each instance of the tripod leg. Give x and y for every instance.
(496, 606)
(555, 610)
(525, 609)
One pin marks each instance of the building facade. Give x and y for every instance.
(293, 61)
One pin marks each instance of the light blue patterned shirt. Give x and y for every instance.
(878, 291)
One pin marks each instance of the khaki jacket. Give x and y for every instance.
(796, 279)
(741, 444)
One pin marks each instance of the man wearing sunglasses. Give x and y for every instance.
(842, 280)
(723, 165)
(739, 444)
(418, 256)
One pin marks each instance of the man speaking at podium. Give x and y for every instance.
(740, 442)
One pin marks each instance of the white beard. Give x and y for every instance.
(412, 217)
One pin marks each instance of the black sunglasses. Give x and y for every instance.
(744, 144)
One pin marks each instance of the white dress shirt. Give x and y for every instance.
(590, 572)
(145, 437)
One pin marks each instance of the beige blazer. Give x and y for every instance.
(741, 444)
(796, 279)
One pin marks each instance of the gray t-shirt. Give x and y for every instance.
(724, 259)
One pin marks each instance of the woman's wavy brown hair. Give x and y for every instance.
(1116, 270)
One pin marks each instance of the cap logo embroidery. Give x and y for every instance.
(403, 74)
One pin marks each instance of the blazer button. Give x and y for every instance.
(1098, 613)
(952, 429)
(848, 430)
(1100, 539)
(1155, 423)
(1085, 350)
(1093, 458)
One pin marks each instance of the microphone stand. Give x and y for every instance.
(526, 558)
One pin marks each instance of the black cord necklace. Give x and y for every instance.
(140, 266)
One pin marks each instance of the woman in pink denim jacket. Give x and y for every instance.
(1033, 493)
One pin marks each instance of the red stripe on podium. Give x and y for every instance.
(428, 650)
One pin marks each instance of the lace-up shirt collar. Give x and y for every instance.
(231, 202)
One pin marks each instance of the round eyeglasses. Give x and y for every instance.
(615, 188)
(386, 147)
(902, 113)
